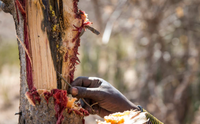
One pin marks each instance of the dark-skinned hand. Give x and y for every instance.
(97, 90)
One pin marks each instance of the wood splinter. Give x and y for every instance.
(71, 87)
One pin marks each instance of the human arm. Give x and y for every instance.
(97, 90)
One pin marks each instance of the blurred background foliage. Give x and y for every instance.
(148, 49)
(9, 71)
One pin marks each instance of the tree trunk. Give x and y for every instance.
(48, 42)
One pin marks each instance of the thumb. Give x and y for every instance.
(83, 92)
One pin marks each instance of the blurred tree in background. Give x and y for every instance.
(152, 55)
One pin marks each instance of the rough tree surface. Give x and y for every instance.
(48, 42)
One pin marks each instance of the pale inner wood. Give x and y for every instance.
(44, 74)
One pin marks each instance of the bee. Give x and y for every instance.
(86, 23)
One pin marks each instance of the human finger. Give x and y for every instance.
(87, 82)
(102, 112)
(83, 92)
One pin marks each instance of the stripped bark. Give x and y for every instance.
(46, 29)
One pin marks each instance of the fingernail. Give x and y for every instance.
(74, 91)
